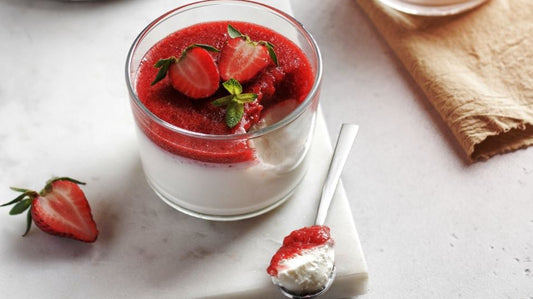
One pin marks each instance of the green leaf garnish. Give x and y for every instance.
(234, 102)
(223, 101)
(234, 113)
(164, 64)
(233, 86)
(245, 98)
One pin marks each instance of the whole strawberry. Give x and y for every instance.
(60, 209)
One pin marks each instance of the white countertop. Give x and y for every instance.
(431, 224)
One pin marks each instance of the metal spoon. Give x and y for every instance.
(340, 154)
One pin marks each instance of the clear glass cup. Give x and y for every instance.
(433, 7)
(216, 190)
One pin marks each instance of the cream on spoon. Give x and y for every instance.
(304, 266)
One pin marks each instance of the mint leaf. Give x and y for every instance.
(233, 86)
(163, 65)
(234, 113)
(234, 102)
(223, 101)
(232, 32)
(245, 98)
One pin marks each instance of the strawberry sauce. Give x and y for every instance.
(292, 78)
(297, 241)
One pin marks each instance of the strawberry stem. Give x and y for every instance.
(233, 33)
(17, 199)
(271, 52)
(163, 65)
(21, 206)
(19, 189)
(203, 46)
(48, 187)
(64, 178)
(22, 203)
(28, 222)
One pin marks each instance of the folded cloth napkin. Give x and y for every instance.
(476, 68)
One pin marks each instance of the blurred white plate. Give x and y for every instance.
(432, 7)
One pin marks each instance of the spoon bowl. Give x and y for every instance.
(290, 294)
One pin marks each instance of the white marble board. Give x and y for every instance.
(66, 112)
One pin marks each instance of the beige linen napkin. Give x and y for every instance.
(476, 68)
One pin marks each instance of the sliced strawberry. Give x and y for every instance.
(194, 73)
(63, 210)
(242, 59)
(59, 209)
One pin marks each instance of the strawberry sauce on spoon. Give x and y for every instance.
(304, 266)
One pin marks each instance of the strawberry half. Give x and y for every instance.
(59, 209)
(194, 73)
(242, 59)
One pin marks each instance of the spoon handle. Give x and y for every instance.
(340, 154)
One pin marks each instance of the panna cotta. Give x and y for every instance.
(220, 148)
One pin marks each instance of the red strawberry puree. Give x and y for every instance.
(291, 79)
(298, 241)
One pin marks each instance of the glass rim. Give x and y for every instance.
(429, 10)
(247, 135)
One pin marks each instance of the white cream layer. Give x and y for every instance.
(221, 189)
(308, 271)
